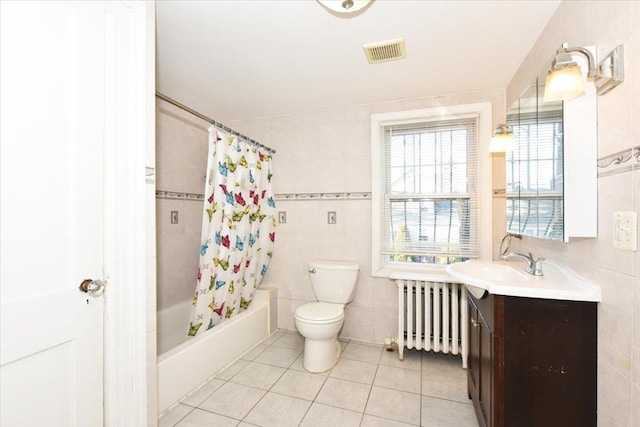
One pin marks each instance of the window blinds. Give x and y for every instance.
(534, 174)
(429, 201)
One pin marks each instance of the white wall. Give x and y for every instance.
(329, 152)
(181, 159)
(604, 24)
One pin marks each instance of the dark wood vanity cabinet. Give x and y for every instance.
(480, 362)
(532, 362)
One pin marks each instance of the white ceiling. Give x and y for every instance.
(242, 59)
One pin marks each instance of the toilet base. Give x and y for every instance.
(320, 355)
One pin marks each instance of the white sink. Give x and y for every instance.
(509, 278)
(491, 271)
(475, 291)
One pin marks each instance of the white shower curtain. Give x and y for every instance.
(238, 230)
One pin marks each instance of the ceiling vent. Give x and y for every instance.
(389, 50)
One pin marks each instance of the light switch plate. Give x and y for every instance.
(625, 231)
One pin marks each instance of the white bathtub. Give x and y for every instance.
(183, 366)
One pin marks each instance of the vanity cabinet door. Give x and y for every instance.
(486, 370)
(473, 374)
(550, 373)
(480, 373)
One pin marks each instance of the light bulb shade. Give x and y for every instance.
(564, 84)
(502, 140)
(344, 6)
(501, 143)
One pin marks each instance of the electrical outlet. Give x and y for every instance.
(625, 231)
(331, 217)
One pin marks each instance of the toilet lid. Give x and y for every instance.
(320, 311)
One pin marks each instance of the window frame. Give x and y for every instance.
(379, 266)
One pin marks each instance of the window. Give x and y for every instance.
(426, 192)
(535, 175)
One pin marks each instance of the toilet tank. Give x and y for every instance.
(333, 281)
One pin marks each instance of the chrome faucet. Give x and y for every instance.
(533, 264)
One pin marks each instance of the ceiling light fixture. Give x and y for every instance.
(344, 6)
(502, 139)
(565, 81)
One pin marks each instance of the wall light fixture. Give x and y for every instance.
(565, 80)
(502, 139)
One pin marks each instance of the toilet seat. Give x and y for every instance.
(320, 312)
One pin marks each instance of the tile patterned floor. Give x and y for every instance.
(369, 387)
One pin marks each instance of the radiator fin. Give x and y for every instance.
(433, 316)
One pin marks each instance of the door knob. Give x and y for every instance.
(95, 288)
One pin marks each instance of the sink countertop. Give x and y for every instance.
(508, 278)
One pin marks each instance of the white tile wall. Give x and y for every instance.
(181, 153)
(326, 152)
(604, 24)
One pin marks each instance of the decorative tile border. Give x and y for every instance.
(622, 161)
(322, 196)
(285, 196)
(178, 196)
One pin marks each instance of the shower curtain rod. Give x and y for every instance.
(213, 122)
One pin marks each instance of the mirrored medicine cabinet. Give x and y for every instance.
(551, 174)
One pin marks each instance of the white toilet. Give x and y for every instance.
(334, 284)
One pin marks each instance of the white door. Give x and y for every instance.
(51, 201)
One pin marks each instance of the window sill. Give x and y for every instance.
(429, 274)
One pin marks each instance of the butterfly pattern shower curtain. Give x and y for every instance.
(238, 230)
